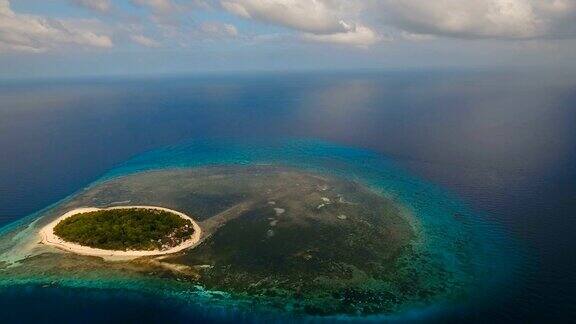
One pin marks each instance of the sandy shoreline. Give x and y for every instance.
(51, 239)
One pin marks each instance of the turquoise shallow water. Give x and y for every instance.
(476, 252)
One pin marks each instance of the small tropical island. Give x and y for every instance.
(126, 231)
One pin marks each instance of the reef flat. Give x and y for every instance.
(319, 244)
(349, 235)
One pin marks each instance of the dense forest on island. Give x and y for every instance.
(126, 229)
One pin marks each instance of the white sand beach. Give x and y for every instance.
(49, 238)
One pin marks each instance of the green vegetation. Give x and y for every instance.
(126, 229)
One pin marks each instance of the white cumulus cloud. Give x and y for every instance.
(510, 19)
(465, 19)
(313, 16)
(31, 33)
(361, 36)
(328, 21)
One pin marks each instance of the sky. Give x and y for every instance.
(50, 38)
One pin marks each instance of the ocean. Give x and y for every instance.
(503, 143)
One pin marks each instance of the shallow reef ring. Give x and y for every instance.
(50, 239)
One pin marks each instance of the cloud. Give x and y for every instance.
(219, 29)
(312, 16)
(361, 36)
(326, 21)
(359, 23)
(145, 41)
(96, 5)
(506, 19)
(30, 33)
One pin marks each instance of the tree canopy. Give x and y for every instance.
(126, 229)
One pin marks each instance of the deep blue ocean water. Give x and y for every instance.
(503, 143)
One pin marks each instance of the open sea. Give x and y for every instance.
(502, 144)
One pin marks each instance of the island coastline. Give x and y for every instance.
(50, 239)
